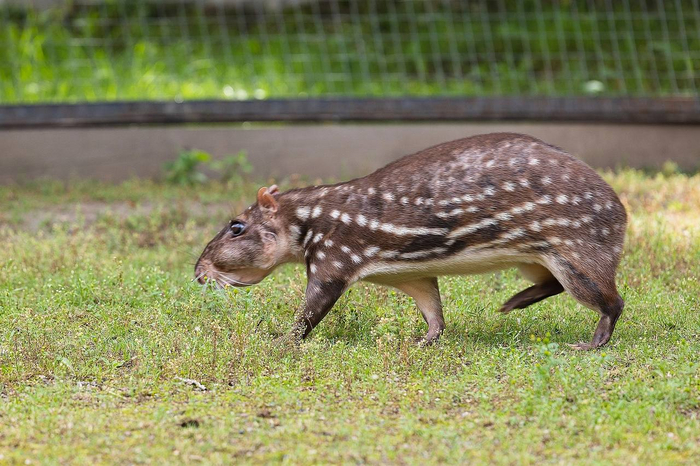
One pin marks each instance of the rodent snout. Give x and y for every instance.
(200, 274)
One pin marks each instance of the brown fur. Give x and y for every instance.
(467, 206)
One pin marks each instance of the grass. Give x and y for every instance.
(135, 50)
(100, 328)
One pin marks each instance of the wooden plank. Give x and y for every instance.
(667, 110)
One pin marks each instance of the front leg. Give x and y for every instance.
(321, 295)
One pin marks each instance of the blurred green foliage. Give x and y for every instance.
(191, 166)
(126, 50)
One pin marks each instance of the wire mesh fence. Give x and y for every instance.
(107, 50)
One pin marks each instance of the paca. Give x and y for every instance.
(469, 206)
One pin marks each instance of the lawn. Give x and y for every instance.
(110, 354)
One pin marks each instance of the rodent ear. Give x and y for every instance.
(265, 199)
(273, 189)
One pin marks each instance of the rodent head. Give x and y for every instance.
(248, 248)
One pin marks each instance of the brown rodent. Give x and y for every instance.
(469, 206)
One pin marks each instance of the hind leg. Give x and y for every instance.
(545, 286)
(596, 292)
(609, 313)
(426, 294)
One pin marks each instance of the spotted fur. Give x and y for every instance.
(467, 206)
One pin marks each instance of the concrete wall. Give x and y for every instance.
(314, 150)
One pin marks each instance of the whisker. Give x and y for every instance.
(237, 282)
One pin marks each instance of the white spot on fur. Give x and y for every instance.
(318, 237)
(345, 218)
(328, 243)
(335, 214)
(490, 163)
(605, 231)
(405, 231)
(516, 233)
(361, 220)
(404, 200)
(554, 240)
(562, 199)
(371, 191)
(576, 200)
(345, 249)
(321, 255)
(535, 226)
(546, 180)
(371, 251)
(468, 198)
(597, 207)
(388, 254)
(373, 225)
(419, 201)
(533, 161)
(608, 205)
(588, 195)
(504, 216)
(508, 186)
(524, 183)
(388, 196)
(313, 268)
(566, 177)
(355, 258)
(465, 230)
(303, 212)
(546, 199)
(489, 191)
(424, 253)
(294, 232)
(316, 212)
(472, 209)
(568, 242)
(308, 237)
(337, 264)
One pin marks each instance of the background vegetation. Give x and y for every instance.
(125, 49)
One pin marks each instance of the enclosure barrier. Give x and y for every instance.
(615, 110)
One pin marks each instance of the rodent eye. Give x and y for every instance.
(237, 228)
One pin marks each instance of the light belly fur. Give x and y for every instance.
(463, 263)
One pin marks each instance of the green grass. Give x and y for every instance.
(131, 50)
(99, 321)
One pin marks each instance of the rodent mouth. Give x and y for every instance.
(224, 279)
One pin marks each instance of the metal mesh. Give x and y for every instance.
(83, 50)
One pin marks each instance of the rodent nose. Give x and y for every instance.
(200, 275)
